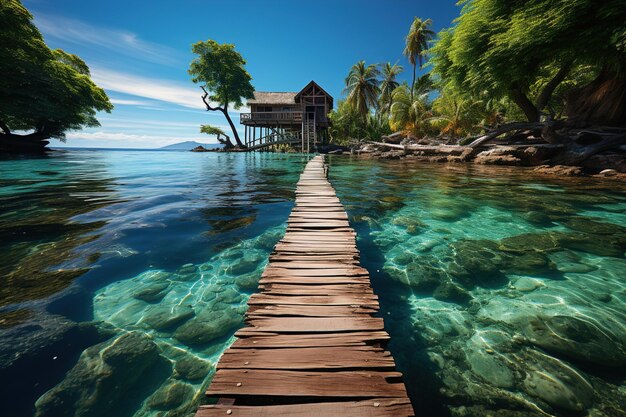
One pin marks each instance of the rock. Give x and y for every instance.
(451, 292)
(404, 258)
(212, 325)
(229, 296)
(560, 170)
(412, 225)
(575, 338)
(48, 342)
(537, 218)
(192, 369)
(199, 149)
(152, 292)
(476, 262)
(556, 383)
(244, 266)
(531, 262)
(103, 375)
(544, 242)
(501, 155)
(171, 395)
(165, 317)
(423, 276)
(526, 284)
(608, 173)
(586, 225)
(248, 281)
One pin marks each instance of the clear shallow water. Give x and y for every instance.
(504, 293)
(126, 273)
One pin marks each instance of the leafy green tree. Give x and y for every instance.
(214, 130)
(457, 116)
(525, 50)
(223, 77)
(388, 83)
(417, 44)
(345, 123)
(43, 92)
(408, 113)
(362, 88)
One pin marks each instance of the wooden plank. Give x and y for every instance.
(359, 384)
(275, 270)
(308, 311)
(332, 300)
(315, 358)
(251, 339)
(316, 324)
(376, 407)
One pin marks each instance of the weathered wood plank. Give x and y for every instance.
(376, 407)
(251, 339)
(308, 311)
(363, 357)
(316, 324)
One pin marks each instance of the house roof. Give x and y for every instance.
(286, 98)
(265, 97)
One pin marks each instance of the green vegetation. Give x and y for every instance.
(545, 66)
(42, 91)
(223, 77)
(213, 130)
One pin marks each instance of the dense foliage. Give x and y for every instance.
(42, 91)
(538, 60)
(221, 71)
(528, 51)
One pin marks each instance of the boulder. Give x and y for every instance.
(152, 292)
(576, 338)
(102, 378)
(211, 325)
(450, 292)
(192, 368)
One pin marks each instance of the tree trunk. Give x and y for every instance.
(601, 102)
(413, 83)
(530, 111)
(232, 126)
(546, 93)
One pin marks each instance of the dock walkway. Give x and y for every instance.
(312, 345)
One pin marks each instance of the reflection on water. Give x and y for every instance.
(504, 294)
(125, 274)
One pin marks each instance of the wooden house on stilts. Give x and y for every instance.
(297, 118)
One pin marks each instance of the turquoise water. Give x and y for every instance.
(126, 274)
(504, 293)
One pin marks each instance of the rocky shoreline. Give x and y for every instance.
(543, 159)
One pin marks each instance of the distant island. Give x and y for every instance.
(189, 145)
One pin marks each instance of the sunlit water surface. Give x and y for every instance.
(126, 273)
(504, 293)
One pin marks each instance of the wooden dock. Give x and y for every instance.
(312, 345)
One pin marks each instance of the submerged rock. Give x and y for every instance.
(556, 383)
(576, 338)
(100, 379)
(209, 326)
(166, 317)
(152, 292)
(448, 291)
(191, 368)
(171, 395)
(424, 277)
(412, 225)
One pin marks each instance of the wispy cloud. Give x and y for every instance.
(152, 88)
(119, 41)
(124, 102)
(182, 94)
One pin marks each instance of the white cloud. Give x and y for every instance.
(123, 102)
(130, 140)
(152, 88)
(119, 41)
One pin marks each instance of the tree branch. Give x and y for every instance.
(206, 103)
(524, 103)
(546, 93)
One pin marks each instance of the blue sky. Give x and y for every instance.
(139, 52)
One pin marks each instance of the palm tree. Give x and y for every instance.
(388, 83)
(417, 44)
(408, 114)
(362, 87)
(457, 116)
